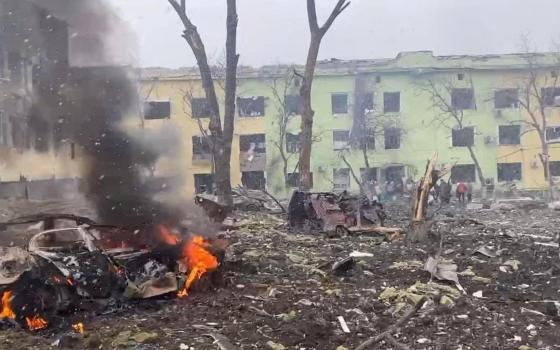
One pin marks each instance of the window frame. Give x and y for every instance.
(335, 95)
(386, 98)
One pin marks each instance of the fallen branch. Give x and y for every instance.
(393, 328)
(390, 339)
(274, 199)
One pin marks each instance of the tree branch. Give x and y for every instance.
(341, 5)
(312, 16)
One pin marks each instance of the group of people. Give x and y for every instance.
(389, 190)
(441, 191)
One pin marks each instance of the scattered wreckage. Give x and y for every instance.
(341, 214)
(62, 269)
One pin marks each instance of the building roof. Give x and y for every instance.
(416, 62)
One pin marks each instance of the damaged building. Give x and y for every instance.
(377, 113)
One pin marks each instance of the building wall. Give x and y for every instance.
(422, 133)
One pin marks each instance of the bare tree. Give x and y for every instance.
(221, 137)
(317, 34)
(451, 115)
(281, 88)
(537, 92)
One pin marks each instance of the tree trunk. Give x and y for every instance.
(232, 58)
(307, 113)
(362, 190)
(478, 170)
(545, 159)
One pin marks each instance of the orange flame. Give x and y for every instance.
(79, 327)
(166, 235)
(199, 261)
(36, 322)
(7, 311)
(70, 281)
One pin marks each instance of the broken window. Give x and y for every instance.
(339, 103)
(508, 172)
(506, 98)
(551, 96)
(463, 172)
(341, 178)
(293, 180)
(341, 139)
(200, 108)
(201, 147)
(554, 168)
(394, 173)
(204, 183)
(293, 143)
(391, 102)
(392, 138)
(462, 137)
(292, 104)
(157, 109)
(253, 180)
(509, 134)
(462, 98)
(255, 143)
(368, 174)
(552, 134)
(250, 106)
(460, 76)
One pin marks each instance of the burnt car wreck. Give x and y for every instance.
(67, 269)
(342, 214)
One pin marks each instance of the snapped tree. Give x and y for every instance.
(317, 34)
(220, 136)
(450, 112)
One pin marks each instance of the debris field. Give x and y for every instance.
(279, 289)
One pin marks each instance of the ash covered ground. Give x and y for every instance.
(277, 290)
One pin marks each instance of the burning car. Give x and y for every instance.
(62, 267)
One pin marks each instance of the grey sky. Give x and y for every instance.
(275, 31)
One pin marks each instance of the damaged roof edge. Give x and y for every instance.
(416, 62)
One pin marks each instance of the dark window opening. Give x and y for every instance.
(341, 139)
(341, 178)
(292, 104)
(394, 174)
(250, 106)
(339, 103)
(554, 168)
(293, 180)
(253, 180)
(460, 76)
(391, 102)
(462, 98)
(255, 143)
(157, 110)
(506, 98)
(462, 137)
(463, 172)
(200, 108)
(509, 134)
(392, 138)
(72, 151)
(552, 134)
(551, 96)
(509, 172)
(378, 79)
(201, 148)
(293, 143)
(368, 174)
(204, 183)
(15, 65)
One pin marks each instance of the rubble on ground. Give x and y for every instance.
(278, 289)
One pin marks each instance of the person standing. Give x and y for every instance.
(469, 192)
(461, 191)
(445, 192)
